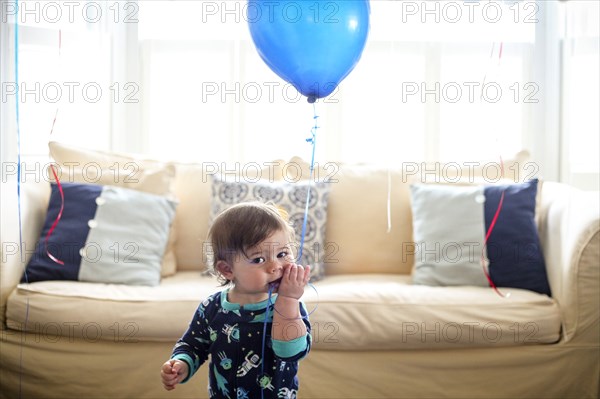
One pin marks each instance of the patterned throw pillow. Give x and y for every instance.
(292, 198)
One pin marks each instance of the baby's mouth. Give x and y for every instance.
(275, 283)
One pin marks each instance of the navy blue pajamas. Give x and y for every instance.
(233, 336)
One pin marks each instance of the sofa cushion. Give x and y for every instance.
(80, 165)
(450, 225)
(358, 240)
(292, 198)
(375, 311)
(387, 312)
(104, 234)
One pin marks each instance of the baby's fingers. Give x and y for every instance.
(176, 369)
(292, 272)
(169, 387)
(166, 368)
(306, 275)
(169, 379)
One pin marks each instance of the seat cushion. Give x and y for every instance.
(375, 311)
(366, 312)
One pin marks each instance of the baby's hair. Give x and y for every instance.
(242, 227)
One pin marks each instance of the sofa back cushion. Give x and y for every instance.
(359, 238)
(192, 188)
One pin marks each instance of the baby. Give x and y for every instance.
(256, 329)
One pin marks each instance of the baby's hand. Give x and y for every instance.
(295, 277)
(172, 373)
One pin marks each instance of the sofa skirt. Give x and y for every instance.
(58, 367)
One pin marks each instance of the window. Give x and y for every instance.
(65, 71)
(438, 81)
(581, 94)
(205, 84)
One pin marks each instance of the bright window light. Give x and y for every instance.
(206, 83)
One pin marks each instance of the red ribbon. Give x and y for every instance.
(60, 189)
(487, 237)
(493, 223)
(60, 212)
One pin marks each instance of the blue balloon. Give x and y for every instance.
(312, 44)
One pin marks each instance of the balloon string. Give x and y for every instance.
(55, 175)
(487, 236)
(269, 304)
(265, 322)
(491, 61)
(484, 261)
(264, 337)
(58, 217)
(18, 125)
(272, 286)
(19, 217)
(313, 141)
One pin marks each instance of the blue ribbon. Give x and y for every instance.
(18, 124)
(264, 338)
(21, 252)
(313, 141)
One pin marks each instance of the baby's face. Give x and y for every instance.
(263, 264)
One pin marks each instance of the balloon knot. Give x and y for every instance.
(311, 99)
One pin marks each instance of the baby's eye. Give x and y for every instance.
(258, 260)
(283, 254)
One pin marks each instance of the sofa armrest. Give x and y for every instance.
(570, 238)
(34, 205)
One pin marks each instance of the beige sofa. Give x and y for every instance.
(375, 334)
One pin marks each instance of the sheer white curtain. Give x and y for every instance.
(438, 81)
(209, 96)
(69, 80)
(581, 94)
